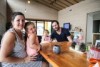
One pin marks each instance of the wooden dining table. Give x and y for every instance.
(67, 58)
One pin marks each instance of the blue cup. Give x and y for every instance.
(56, 49)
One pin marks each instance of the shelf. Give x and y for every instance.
(96, 33)
(96, 30)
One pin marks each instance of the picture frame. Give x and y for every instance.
(97, 44)
(67, 26)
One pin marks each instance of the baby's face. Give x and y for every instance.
(31, 29)
(46, 33)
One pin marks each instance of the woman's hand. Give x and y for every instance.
(30, 58)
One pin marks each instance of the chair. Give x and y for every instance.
(39, 38)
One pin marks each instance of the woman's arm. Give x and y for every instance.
(7, 46)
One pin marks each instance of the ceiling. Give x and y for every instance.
(58, 4)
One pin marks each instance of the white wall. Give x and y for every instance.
(2, 16)
(34, 9)
(78, 15)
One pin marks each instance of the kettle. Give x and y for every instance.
(56, 49)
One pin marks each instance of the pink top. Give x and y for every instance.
(29, 50)
(47, 38)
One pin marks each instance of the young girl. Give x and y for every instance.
(46, 37)
(32, 44)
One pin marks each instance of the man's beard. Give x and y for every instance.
(58, 29)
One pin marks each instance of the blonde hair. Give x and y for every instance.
(46, 31)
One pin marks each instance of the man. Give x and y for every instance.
(60, 34)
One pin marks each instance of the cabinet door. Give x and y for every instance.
(96, 36)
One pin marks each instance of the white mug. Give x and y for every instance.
(56, 49)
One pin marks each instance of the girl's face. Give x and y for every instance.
(31, 29)
(18, 22)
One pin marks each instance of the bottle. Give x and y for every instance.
(87, 49)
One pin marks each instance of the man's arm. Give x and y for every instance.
(69, 39)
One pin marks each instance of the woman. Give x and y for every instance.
(12, 53)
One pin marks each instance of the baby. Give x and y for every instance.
(45, 37)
